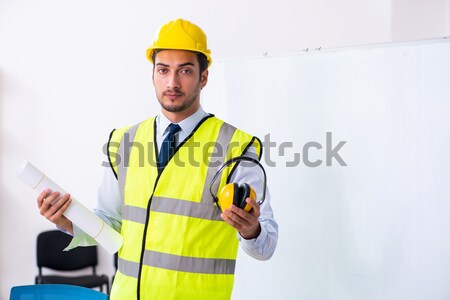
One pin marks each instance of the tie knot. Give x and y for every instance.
(173, 128)
(167, 146)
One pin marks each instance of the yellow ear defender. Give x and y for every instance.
(233, 193)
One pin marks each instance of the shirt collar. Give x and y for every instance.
(187, 125)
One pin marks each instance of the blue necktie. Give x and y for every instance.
(167, 146)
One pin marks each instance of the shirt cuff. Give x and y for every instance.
(256, 244)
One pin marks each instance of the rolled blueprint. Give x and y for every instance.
(80, 215)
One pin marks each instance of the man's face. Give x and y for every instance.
(177, 81)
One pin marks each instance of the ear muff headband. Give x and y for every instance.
(237, 159)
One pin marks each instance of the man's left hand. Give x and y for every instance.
(246, 223)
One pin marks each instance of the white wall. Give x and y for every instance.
(417, 19)
(70, 72)
(447, 33)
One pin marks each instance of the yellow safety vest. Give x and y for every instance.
(176, 246)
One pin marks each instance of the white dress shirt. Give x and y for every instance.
(109, 203)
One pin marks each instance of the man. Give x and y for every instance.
(178, 244)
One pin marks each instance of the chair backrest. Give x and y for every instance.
(55, 292)
(50, 254)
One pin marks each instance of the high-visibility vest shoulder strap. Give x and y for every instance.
(116, 155)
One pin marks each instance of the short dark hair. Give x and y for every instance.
(201, 58)
(202, 61)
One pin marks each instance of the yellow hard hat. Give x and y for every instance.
(180, 34)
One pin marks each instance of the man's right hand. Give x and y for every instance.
(54, 213)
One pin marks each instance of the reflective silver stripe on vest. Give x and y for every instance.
(128, 268)
(186, 208)
(129, 135)
(178, 263)
(189, 264)
(172, 206)
(134, 213)
(223, 140)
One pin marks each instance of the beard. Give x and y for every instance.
(179, 107)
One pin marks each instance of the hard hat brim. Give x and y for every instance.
(151, 50)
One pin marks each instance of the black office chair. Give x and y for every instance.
(50, 254)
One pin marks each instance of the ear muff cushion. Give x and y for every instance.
(236, 194)
(243, 192)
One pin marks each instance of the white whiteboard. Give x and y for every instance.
(380, 227)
